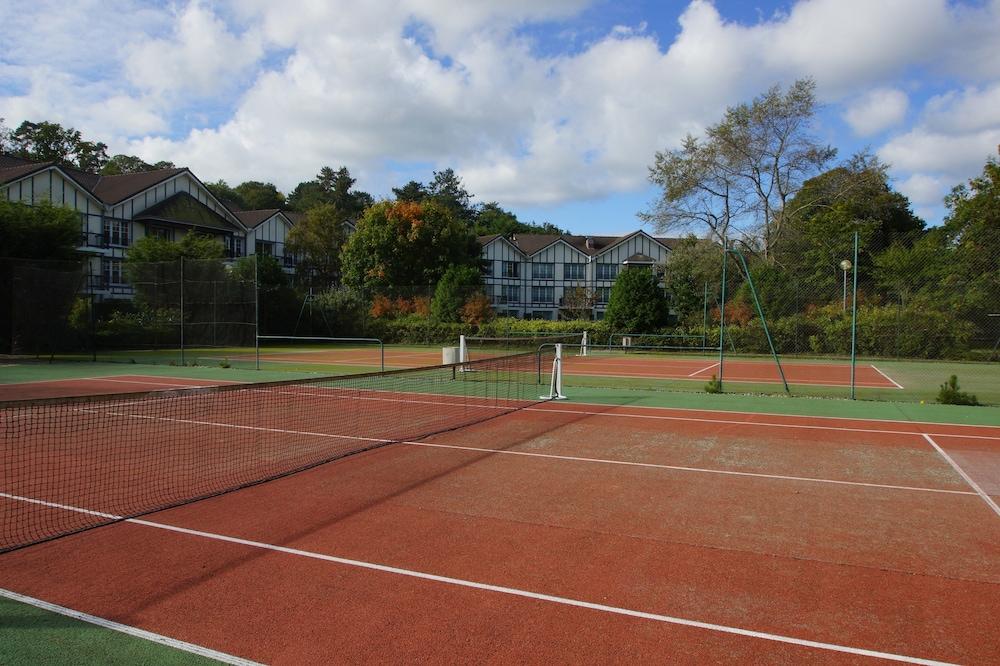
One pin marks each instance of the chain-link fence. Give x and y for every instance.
(164, 312)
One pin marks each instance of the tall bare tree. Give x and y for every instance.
(738, 178)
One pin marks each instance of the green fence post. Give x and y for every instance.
(854, 320)
(763, 319)
(722, 311)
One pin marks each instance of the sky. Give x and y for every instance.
(552, 108)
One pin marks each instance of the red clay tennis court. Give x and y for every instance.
(642, 366)
(104, 385)
(558, 531)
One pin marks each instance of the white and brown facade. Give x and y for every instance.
(116, 211)
(531, 275)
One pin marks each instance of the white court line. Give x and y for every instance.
(698, 372)
(377, 440)
(126, 629)
(511, 591)
(968, 479)
(728, 378)
(897, 384)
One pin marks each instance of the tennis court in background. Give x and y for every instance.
(556, 531)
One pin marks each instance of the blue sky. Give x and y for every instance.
(552, 108)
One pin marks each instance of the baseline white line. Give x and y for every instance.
(516, 592)
(897, 384)
(968, 479)
(376, 440)
(698, 372)
(127, 629)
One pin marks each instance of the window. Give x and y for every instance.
(234, 246)
(166, 233)
(511, 269)
(542, 294)
(603, 294)
(116, 232)
(510, 293)
(264, 248)
(574, 271)
(607, 271)
(112, 270)
(488, 269)
(541, 314)
(543, 271)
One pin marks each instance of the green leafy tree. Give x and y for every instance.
(739, 178)
(405, 244)
(256, 195)
(330, 187)
(637, 304)
(51, 142)
(278, 303)
(318, 240)
(192, 245)
(693, 264)
(456, 286)
(413, 192)
(447, 190)
(42, 231)
(227, 195)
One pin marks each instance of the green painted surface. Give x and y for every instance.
(31, 636)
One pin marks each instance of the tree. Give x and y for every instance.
(456, 286)
(404, 244)
(278, 303)
(448, 191)
(51, 142)
(5, 141)
(741, 176)
(822, 218)
(578, 303)
(227, 195)
(256, 195)
(192, 245)
(42, 231)
(637, 304)
(120, 164)
(331, 187)
(318, 240)
(413, 192)
(693, 264)
(306, 195)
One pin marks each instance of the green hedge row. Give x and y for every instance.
(883, 331)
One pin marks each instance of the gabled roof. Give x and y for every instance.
(17, 171)
(18, 168)
(7, 161)
(253, 218)
(182, 208)
(591, 246)
(115, 189)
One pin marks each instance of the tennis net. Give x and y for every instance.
(472, 347)
(73, 464)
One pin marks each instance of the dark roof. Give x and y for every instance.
(115, 189)
(7, 161)
(182, 208)
(15, 172)
(251, 218)
(531, 243)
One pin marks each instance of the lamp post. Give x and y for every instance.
(845, 266)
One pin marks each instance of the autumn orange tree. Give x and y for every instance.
(403, 244)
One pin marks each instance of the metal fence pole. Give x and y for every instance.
(722, 311)
(181, 260)
(256, 311)
(854, 321)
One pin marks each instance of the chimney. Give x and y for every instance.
(590, 244)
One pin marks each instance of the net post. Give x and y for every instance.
(463, 350)
(584, 344)
(181, 260)
(256, 310)
(854, 321)
(555, 385)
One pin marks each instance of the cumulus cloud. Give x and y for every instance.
(378, 86)
(876, 111)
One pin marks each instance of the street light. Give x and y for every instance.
(845, 266)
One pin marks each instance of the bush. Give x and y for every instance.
(949, 394)
(458, 283)
(713, 385)
(477, 310)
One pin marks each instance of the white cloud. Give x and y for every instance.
(877, 111)
(379, 85)
(924, 190)
(201, 56)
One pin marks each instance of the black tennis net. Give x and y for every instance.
(73, 464)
